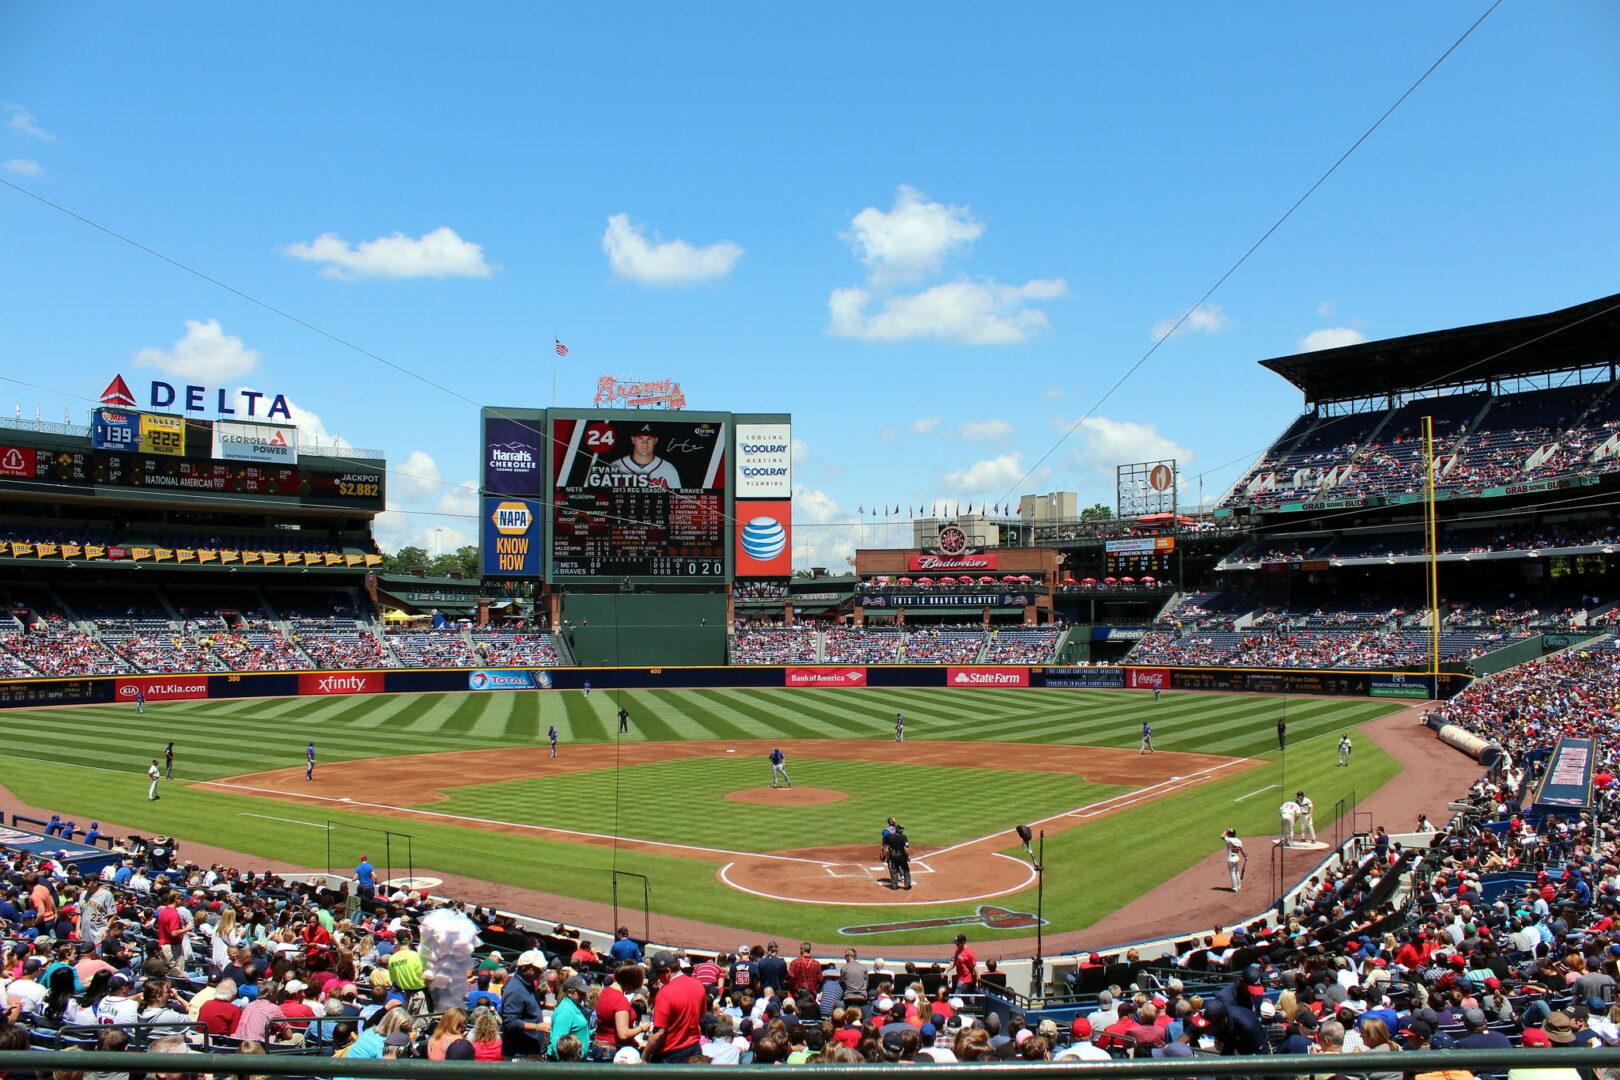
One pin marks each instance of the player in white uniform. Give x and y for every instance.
(153, 774)
(1344, 752)
(643, 460)
(1236, 858)
(1305, 820)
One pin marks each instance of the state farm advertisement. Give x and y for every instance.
(824, 676)
(1147, 678)
(942, 563)
(163, 688)
(340, 682)
(987, 676)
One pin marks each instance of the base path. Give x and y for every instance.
(845, 875)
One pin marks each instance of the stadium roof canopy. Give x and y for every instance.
(1580, 337)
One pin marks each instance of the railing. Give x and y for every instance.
(80, 431)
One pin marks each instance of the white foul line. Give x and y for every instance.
(1256, 791)
(292, 821)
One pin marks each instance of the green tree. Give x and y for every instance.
(1096, 512)
(406, 560)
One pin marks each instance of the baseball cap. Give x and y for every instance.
(460, 1050)
(1493, 983)
(928, 1031)
(532, 958)
(1048, 1028)
(295, 987)
(574, 982)
(663, 960)
(1305, 1019)
(884, 1004)
(1023, 1036)
(399, 1038)
(1177, 1049)
(1474, 1017)
(627, 1055)
(1535, 1037)
(1080, 1028)
(1214, 1011)
(961, 939)
(1417, 1029)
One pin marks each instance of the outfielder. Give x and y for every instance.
(1237, 860)
(1344, 752)
(778, 770)
(140, 701)
(309, 762)
(154, 775)
(1147, 738)
(552, 735)
(1305, 820)
(899, 728)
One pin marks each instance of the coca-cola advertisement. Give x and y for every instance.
(824, 676)
(163, 688)
(1147, 678)
(340, 682)
(987, 676)
(943, 563)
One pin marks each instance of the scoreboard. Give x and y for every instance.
(638, 497)
(1150, 555)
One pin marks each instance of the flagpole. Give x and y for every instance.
(554, 339)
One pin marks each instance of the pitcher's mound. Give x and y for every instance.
(794, 796)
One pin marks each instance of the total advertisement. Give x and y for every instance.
(986, 676)
(235, 440)
(764, 461)
(347, 682)
(824, 676)
(510, 540)
(514, 461)
(163, 688)
(509, 680)
(764, 538)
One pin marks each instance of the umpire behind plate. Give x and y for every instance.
(895, 855)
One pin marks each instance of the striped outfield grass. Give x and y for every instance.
(88, 762)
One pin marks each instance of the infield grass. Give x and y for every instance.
(88, 763)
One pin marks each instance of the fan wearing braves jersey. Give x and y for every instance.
(643, 460)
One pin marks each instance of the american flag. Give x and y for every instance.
(562, 350)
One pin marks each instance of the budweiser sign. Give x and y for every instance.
(987, 676)
(824, 676)
(347, 683)
(951, 562)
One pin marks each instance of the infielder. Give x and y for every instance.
(1344, 752)
(153, 775)
(309, 762)
(1147, 738)
(1305, 820)
(553, 736)
(779, 770)
(1237, 860)
(899, 728)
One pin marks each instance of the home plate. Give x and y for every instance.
(731, 751)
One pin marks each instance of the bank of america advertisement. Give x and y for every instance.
(274, 444)
(509, 542)
(764, 461)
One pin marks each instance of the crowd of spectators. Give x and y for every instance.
(780, 643)
(942, 645)
(1032, 645)
(515, 650)
(352, 651)
(432, 649)
(63, 653)
(171, 654)
(862, 645)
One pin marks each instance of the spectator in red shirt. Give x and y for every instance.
(293, 1005)
(171, 932)
(676, 1011)
(220, 1013)
(804, 973)
(966, 963)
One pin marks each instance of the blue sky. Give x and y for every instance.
(934, 233)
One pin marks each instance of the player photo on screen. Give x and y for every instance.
(630, 454)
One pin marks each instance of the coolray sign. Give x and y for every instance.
(170, 688)
(952, 562)
(764, 461)
(200, 399)
(1147, 678)
(508, 680)
(235, 440)
(514, 463)
(987, 676)
(824, 676)
(1398, 685)
(510, 540)
(349, 682)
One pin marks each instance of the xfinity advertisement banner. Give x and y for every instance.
(513, 459)
(764, 461)
(271, 443)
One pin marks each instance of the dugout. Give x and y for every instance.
(643, 629)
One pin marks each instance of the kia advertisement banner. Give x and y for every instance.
(948, 563)
(1147, 678)
(340, 682)
(764, 541)
(986, 676)
(764, 461)
(513, 461)
(163, 688)
(824, 676)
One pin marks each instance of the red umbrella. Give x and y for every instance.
(1070, 581)
(1127, 581)
(987, 580)
(1089, 581)
(1110, 581)
(925, 581)
(1025, 577)
(1149, 581)
(1008, 577)
(905, 581)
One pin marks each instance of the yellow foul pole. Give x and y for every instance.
(1431, 539)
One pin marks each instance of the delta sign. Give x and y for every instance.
(199, 399)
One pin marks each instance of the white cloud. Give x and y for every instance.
(206, 354)
(815, 507)
(1333, 337)
(801, 451)
(1205, 319)
(1054, 391)
(1105, 444)
(966, 312)
(1326, 309)
(312, 429)
(438, 254)
(924, 425)
(911, 240)
(664, 262)
(21, 120)
(420, 502)
(985, 430)
(995, 474)
(415, 479)
(25, 167)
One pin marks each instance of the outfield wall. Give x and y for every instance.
(102, 690)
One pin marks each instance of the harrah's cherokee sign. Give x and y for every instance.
(347, 682)
(200, 399)
(987, 676)
(824, 676)
(764, 461)
(951, 562)
(512, 457)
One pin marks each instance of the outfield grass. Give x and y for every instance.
(89, 763)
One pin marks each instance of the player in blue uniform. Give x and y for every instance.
(140, 701)
(1147, 738)
(309, 762)
(778, 770)
(899, 728)
(553, 737)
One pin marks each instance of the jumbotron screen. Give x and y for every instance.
(637, 497)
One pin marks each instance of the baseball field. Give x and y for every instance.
(684, 797)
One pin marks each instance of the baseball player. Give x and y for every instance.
(643, 461)
(153, 775)
(1289, 812)
(778, 770)
(1282, 733)
(552, 734)
(587, 688)
(1155, 693)
(1344, 752)
(309, 762)
(140, 701)
(1305, 820)
(624, 720)
(1147, 738)
(1237, 860)
(168, 762)
(899, 728)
